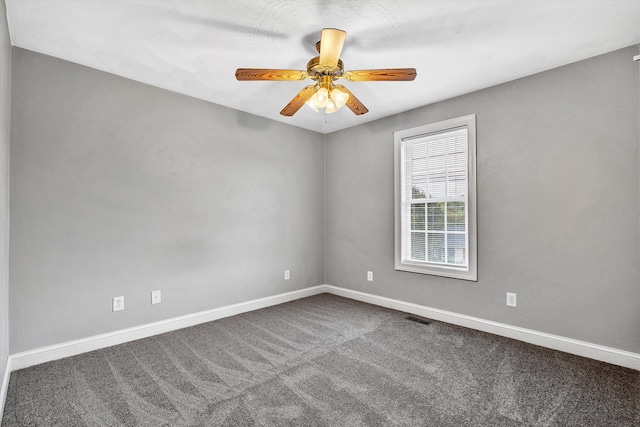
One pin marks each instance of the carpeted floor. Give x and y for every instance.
(324, 361)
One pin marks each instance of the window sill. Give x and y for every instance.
(450, 272)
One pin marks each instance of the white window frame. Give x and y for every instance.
(470, 272)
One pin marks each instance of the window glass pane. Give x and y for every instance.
(418, 170)
(457, 141)
(418, 150)
(435, 216)
(437, 184)
(456, 253)
(419, 187)
(437, 167)
(437, 161)
(417, 216)
(419, 165)
(417, 246)
(435, 250)
(456, 216)
(457, 163)
(456, 183)
(437, 148)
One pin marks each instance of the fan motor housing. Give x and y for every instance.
(315, 70)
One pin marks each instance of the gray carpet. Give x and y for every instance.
(324, 361)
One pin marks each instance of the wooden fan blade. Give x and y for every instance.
(298, 101)
(385, 74)
(331, 42)
(353, 103)
(269, 74)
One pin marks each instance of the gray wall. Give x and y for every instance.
(119, 188)
(558, 204)
(5, 108)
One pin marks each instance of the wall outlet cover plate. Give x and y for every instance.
(118, 303)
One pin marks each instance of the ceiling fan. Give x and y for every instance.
(325, 69)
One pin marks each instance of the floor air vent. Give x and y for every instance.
(419, 320)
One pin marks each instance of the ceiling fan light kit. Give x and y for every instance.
(327, 96)
(325, 69)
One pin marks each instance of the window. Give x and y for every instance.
(435, 193)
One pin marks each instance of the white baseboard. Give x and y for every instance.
(5, 386)
(567, 345)
(72, 348)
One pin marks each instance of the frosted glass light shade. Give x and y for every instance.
(331, 107)
(313, 102)
(339, 97)
(322, 96)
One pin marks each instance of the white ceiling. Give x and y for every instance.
(193, 47)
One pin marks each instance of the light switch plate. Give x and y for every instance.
(156, 297)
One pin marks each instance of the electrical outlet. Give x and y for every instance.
(370, 276)
(118, 303)
(156, 297)
(511, 300)
(287, 275)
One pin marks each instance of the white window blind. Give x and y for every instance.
(435, 198)
(434, 203)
